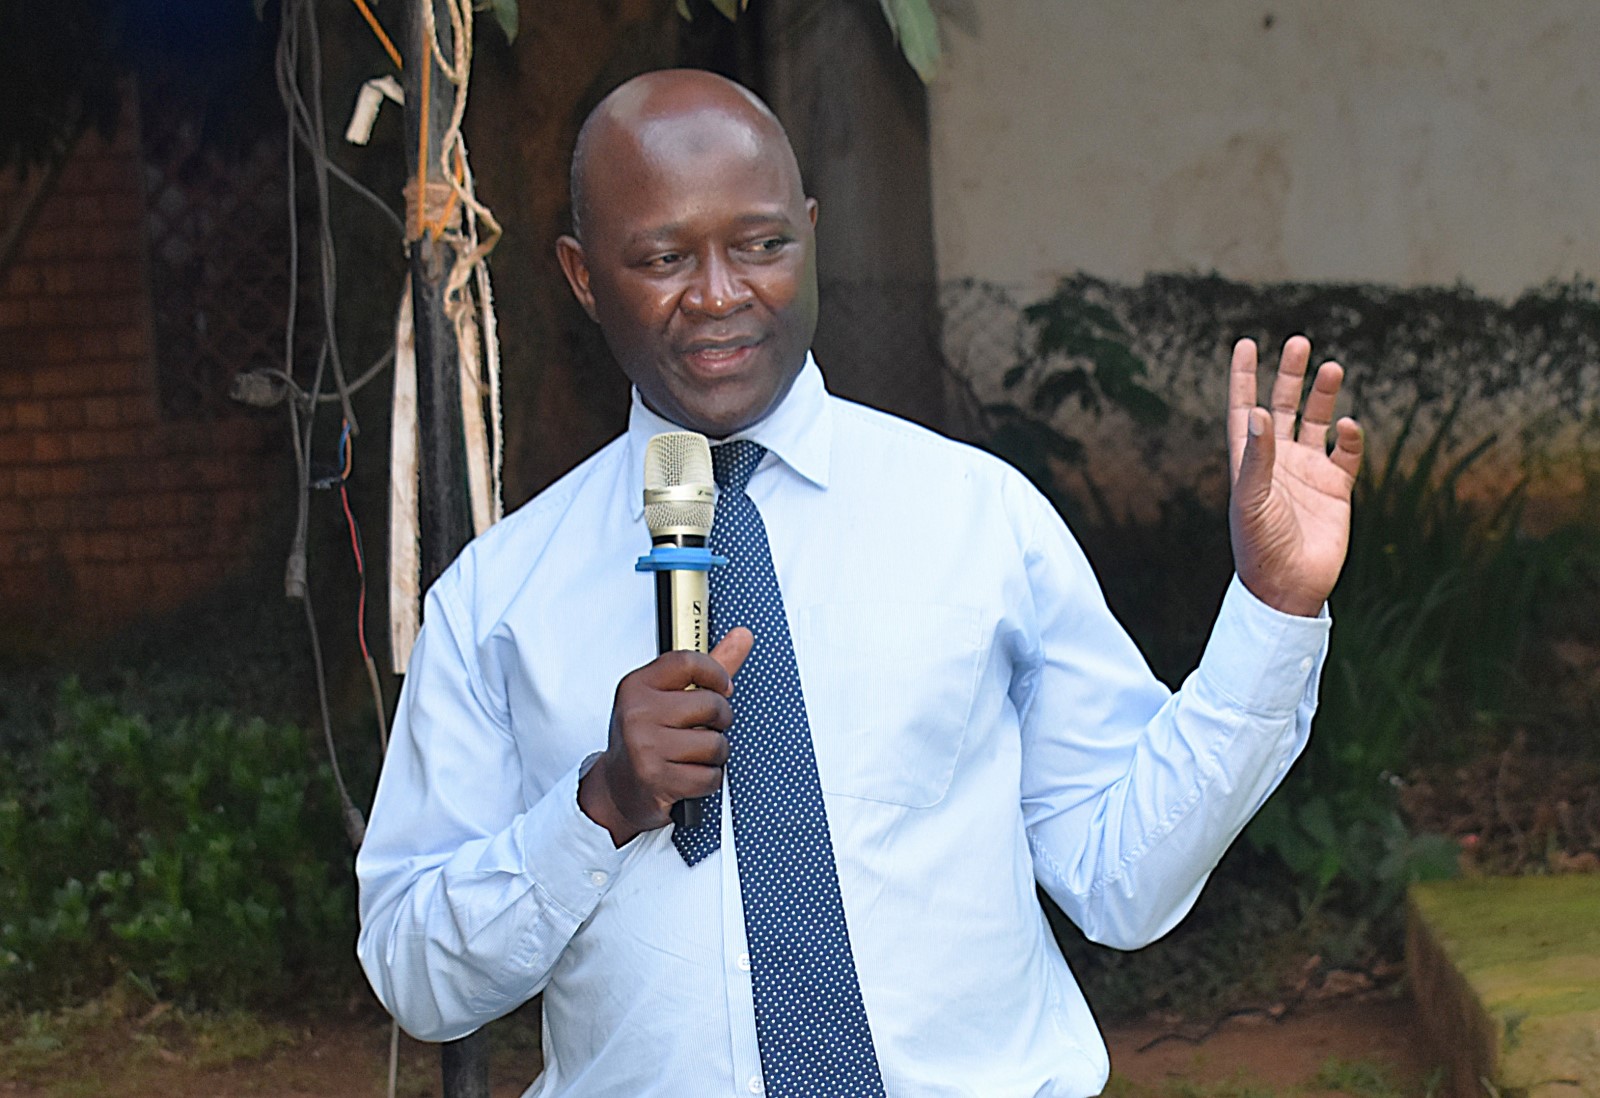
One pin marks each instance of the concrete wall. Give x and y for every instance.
(1273, 140)
(1279, 143)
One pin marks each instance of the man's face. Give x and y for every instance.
(698, 264)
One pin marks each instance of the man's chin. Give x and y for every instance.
(719, 420)
(719, 410)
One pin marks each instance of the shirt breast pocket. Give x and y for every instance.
(889, 689)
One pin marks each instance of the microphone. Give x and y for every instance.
(679, 506)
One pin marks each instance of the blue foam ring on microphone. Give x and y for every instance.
(678, 558)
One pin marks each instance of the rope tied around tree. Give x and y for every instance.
(442, 207)
(438, 206)
(452, 164)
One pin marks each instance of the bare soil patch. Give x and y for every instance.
(1372, 1047)
(345, 1055)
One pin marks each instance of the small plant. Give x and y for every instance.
(1241, 1086)
(122, 1034)
(1356, 1077)
(1432, 616)
(197, 857)
(1074, 349)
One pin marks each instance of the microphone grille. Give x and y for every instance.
(679, 459)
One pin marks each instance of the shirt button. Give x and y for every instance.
(597, 878)
(756, 1085)
(1305, 665)
(744, 961)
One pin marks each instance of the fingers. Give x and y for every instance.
(1348, 445)
(1241, 399)
(680, 762)
(1318, 415)
(1290, 381)
(1285, 397)
(698, 748)
(687, 709)
(665, 742)
(731, 651)
(632, 787)
(1253, 482)
(681, 670)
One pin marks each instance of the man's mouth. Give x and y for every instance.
(719, 356)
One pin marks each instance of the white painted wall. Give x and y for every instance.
(1397, 141)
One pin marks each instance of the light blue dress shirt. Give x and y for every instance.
(980, 719)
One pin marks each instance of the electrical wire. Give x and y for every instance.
(364, 191)
(307, 131)
(347, 447)
(384, 361)
(383, 37)
(308, 128)
(302, 416)
(355, 827)
(299, 80)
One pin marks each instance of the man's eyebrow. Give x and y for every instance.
(661, 234)
(667, 234)
(759, 218)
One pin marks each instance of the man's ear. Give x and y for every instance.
(811, 211)
(569, 253)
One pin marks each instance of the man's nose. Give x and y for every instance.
(717, 289)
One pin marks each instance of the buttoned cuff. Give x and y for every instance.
(1262, 659)
(571, 857)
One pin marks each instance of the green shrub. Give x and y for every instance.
(1445, 615)
(1434, 614)
(200, 857)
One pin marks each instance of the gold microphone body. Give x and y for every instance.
(679, 506)
(682, 594)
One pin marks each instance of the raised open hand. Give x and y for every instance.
(1289, 514)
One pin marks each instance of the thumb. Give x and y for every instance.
(732, 649)
(1254, 483)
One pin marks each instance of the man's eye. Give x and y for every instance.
(770, 244)
(665, 259)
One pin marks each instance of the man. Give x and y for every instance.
(937, 708)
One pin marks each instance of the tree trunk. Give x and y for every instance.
(444, 511)
(858, 119)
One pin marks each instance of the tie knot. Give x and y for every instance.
(733, 462)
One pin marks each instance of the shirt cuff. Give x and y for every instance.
(1260, 658)
(572, 858)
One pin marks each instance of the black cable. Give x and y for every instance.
(268, 386)
(320, 162)
(354, 826)
(306, 128)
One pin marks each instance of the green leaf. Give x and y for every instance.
(1316, 818)
(1056, 388)
(683, 10)
(505, 13)
(728, 8)
(917, 31)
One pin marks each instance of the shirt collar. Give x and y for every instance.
(798, 432)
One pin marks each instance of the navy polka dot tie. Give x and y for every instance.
(810, 1022)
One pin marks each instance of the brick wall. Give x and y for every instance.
(107, 512)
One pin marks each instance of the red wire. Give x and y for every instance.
(361, 571)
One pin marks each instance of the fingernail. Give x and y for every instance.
(1255, 424)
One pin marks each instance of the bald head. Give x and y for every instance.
(673, 110)
(698, 249)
